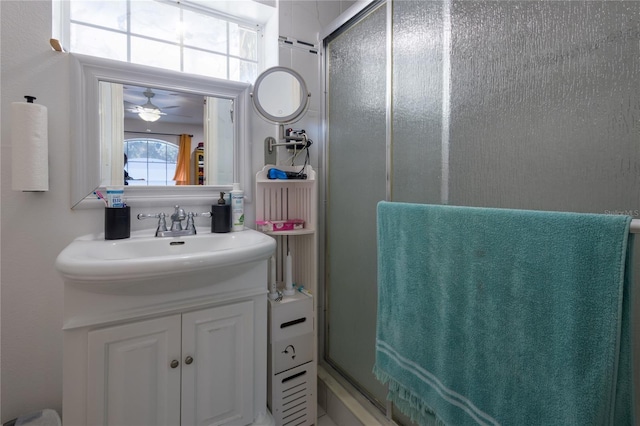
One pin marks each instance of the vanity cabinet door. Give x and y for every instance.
(134, 373)
(217, 365)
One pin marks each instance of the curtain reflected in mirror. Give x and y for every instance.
(155, 137)
(182, 175)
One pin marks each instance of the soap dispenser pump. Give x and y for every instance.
(221, 216)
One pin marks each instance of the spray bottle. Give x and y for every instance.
(237, 208)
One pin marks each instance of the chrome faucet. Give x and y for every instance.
(176, 219)
(176, 222)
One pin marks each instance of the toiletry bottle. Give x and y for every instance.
(221, 216)
(237, 208)
(115, 196)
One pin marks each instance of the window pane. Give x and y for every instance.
(242, 71)
(161, 34)
(150, 162)
(161, 173)
(95, 42)
(135, 150)
(203, 63)
(172, 153)
(155, 54)
(205, 32)
(110, 14)
(243, 42)
(156, 20)
(157, 151)
(137, 170)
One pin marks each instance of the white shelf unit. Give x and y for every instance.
(292, 199)
(287, 199)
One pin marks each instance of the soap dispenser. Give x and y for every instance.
(221, 216)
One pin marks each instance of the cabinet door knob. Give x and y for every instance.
(188, 360)
(174, 363)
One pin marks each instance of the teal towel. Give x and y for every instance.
(497, 316)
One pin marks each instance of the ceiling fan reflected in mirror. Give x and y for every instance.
(172, 107)
(148, 111)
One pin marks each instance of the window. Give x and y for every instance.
(149, 162)
(165, 34)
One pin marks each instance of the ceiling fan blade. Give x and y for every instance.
(138, 109)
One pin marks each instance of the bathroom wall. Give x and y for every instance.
(35, 227)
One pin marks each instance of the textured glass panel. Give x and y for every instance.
(154, 19)
(155, 54)
(95, 42)
(547, 116)
(205, 32)
(417, 100)
(110, 14)
(356, 173)
(209, 64)
(243, 42)
(521, 104)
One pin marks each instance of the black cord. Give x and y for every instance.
(306, 157)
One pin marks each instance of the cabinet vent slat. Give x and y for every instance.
(296, 398)
(295, 408)
(292, 398)
(298, 420)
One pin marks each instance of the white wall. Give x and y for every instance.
(35, 227)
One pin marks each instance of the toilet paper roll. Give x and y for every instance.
(30, 147)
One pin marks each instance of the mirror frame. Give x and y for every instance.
(305, 96)
(87, 72)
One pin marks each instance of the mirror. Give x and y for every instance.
(280, 95)
(158, 124)
(109, 94)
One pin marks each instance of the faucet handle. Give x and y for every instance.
(142, 216)
(190, 225)
(162, 223)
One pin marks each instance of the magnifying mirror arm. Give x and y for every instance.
(301, 139)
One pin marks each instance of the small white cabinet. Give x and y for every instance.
(293, 335)
(189, 369)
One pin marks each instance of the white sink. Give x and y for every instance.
(144, 264)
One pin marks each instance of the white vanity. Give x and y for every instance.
(174, 337)
(173, 330)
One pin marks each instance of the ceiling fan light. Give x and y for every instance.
(149, 115)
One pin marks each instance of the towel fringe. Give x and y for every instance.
(407, 402)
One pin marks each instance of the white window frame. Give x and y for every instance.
(61, 27)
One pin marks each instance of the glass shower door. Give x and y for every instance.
(356, 164)
(509, 104)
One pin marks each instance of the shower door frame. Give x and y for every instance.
(348, 19)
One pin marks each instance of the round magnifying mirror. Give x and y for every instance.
(280, 95)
